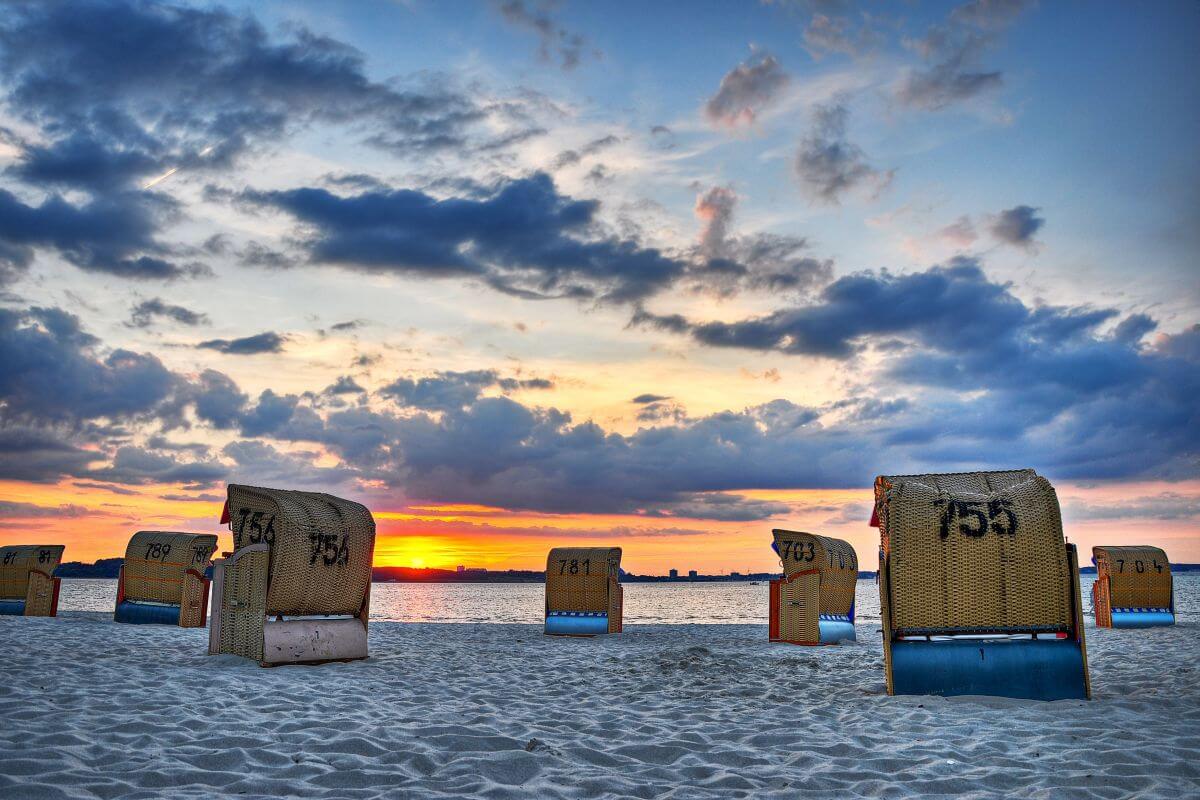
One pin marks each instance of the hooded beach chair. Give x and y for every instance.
(1133, 587)
(297, 587)
(583, 591)
(163, 579)
(813, 603)
(979, 591)
(28, 587)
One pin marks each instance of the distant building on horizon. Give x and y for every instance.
(691, 574)
(673, 574)
(461, 568)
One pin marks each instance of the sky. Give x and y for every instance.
(663, 275)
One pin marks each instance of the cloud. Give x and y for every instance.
(555, 40)
(450, 390)
(839, 34)
(727, 262)
(133, 465)
(119, 96)
(1017, 226)
(144, 314)
(569, 158)
(952, 52)
(524, 239)
(55, 372)
(114, 235)
(17, 510)
(1163, 506)
(746, 91)
(642, 399)
(267, 342)
(829, 165)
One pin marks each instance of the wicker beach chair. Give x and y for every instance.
(297, 587)
(583, 591)
(979, 591)
(813, 603)
(28, 587)
(163, 579)
(1133, 588)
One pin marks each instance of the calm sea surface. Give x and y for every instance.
(671, 603)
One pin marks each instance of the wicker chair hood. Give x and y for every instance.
(156, 562)
(834, 559)
(975, 552)
(577, 578)
(321, 548)
(18, 560)
(1139, 576)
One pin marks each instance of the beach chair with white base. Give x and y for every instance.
(28, 587)
(979, 591)
(163, 579)
(297, 587)
(1133, 588)
(583, 591)
(813, 603)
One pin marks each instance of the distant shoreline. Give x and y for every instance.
(110, 568)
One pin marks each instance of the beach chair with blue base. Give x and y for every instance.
(813, 603)
(28, 587)
(164, 581)
(297, 587)
(583, 591)
(1133, 588)
(979, 591)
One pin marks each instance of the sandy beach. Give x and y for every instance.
(97, 710)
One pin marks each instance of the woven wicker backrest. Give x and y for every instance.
(16, 560)
(321, 547)
(156, 561)
(975, 552)
(834, 558)
(1138, 577)
(577, 578)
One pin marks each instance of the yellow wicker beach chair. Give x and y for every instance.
(297, 587)
(813, 603)
(163, 579)
(583, 591)
(28, 587)
(979, 590)
(1133, 587)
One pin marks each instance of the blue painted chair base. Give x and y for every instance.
(836, 630)
(1025, 668)
(1141, 619)
(582, 623)
(146, 613)
(14, 608)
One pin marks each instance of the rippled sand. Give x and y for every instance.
(92, 709)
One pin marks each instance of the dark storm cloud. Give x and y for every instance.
(952, 54)
(649, 398)
(146, 312)
(138, 466)
(53, 372)
(267, 342)
(829, 165)
(525, 238)
(746, 91)
(114, 234)
(1017, 226)
(148, 85)
(120, 92)
(556, 42)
